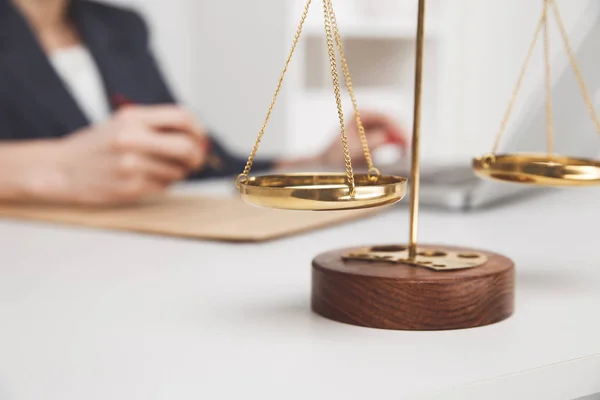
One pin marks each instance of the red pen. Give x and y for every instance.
(120, 101)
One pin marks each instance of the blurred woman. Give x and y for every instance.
(87, 117)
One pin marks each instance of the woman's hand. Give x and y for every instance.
(380, 130)
(139, 152)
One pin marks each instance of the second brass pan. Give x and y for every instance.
(321, 192)
(539, 169)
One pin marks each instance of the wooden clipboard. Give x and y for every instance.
(208, 218)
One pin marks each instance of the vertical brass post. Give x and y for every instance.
(415, 168)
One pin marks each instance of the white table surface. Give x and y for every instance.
(88, 314)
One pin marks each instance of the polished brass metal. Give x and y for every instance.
(374, 172)
(248, 167)
(321, 192)
(415, 168)
(538, 169)
(336, 90)
(437, 260)
(542, 169)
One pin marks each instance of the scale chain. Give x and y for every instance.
(588, 101)
(244, 175)
(513, 98)
(549, 118)
(373, 172)
(338, 97)
(543, 23)
(333, 38)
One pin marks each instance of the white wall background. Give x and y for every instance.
(173, 36)
(496, 39)
(223, 59)
(240, 50)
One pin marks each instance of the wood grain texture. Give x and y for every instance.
(402, 297)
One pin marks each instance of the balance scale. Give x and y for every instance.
(412, 286)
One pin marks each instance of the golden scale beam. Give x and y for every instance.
(411, 287)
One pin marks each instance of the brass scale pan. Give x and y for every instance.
(329, 192)
(547, 169)
(538, 169)
(308, 191)
(321, 192)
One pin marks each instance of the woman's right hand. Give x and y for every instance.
(139, 152)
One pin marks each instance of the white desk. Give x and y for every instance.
(98, 315)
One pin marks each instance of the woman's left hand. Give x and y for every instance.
(380, 130)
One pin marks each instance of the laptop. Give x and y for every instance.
(456, 187)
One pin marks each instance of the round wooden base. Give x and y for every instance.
(402, 297)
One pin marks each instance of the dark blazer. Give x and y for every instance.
(36, 104)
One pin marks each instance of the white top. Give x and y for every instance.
(77, 68)
(93, 314)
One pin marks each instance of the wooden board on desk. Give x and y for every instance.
(209, 218)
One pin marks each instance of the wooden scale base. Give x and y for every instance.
(379, 294)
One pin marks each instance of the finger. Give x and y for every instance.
(175, 147)
(135, 165)
(378, 138)
(375, 119)
(396, 135)
(164, 117)
(165, 171)
(400, 142)
(179, 148)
